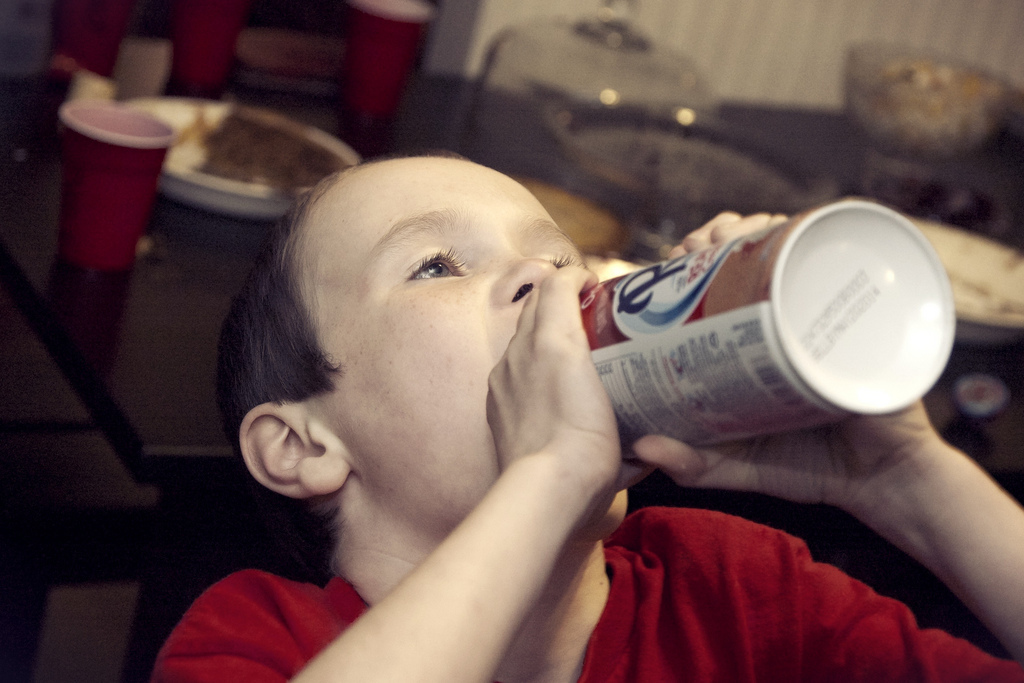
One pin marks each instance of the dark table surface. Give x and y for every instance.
(148, 369)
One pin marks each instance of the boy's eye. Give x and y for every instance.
(565, 260)
(435, 269)
(444, 264)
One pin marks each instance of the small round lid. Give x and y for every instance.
(603, 62)
(980, 396)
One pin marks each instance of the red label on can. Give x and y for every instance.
(682, 290)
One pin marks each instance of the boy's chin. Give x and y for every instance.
(632, 472)
(611, 520)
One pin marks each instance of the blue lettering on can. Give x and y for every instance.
(661, 295)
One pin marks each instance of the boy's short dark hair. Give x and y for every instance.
(269, 352)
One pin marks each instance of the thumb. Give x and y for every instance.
(682, 463)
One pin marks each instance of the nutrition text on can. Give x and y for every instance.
(843, 309)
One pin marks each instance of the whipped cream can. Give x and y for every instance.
(842, 309)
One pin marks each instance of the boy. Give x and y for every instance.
(439, 410)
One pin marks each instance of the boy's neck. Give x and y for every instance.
(552, 643)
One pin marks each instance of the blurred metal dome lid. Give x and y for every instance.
(599, 62)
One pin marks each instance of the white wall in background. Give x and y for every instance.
(786, 52)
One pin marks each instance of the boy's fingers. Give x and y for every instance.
(724, 227)
(701, 237)
(682, 463)
(724, 218)
(558, 297)
(726, 232)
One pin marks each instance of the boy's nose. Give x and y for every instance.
(523, 291)
(522, 277)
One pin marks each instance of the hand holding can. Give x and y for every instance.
(843, 309)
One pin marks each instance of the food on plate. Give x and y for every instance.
(254, 146)
(241, 161)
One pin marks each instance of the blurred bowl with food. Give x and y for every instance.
(914, 102)
(241, 161)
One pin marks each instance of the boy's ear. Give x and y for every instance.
(291, 452)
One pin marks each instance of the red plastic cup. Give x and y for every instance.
(382, 42)
(203, 36)
(112, 157)
(88, 34)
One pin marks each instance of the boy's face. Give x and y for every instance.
(416, 265)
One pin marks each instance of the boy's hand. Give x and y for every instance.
(851, 464)
(545, 395)
(836, 464)
(724, 227)
(893, 472)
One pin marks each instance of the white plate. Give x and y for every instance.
(988, 283)
(181, 179)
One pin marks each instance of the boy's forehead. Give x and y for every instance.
(364, 204)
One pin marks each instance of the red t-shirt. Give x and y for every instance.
(695, 596)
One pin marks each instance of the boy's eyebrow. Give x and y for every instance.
(450, 222)
(544, 229)
(437, 222)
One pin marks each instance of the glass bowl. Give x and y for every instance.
(917, 103)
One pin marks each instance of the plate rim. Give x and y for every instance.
(1001, 326)
(225, 195)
